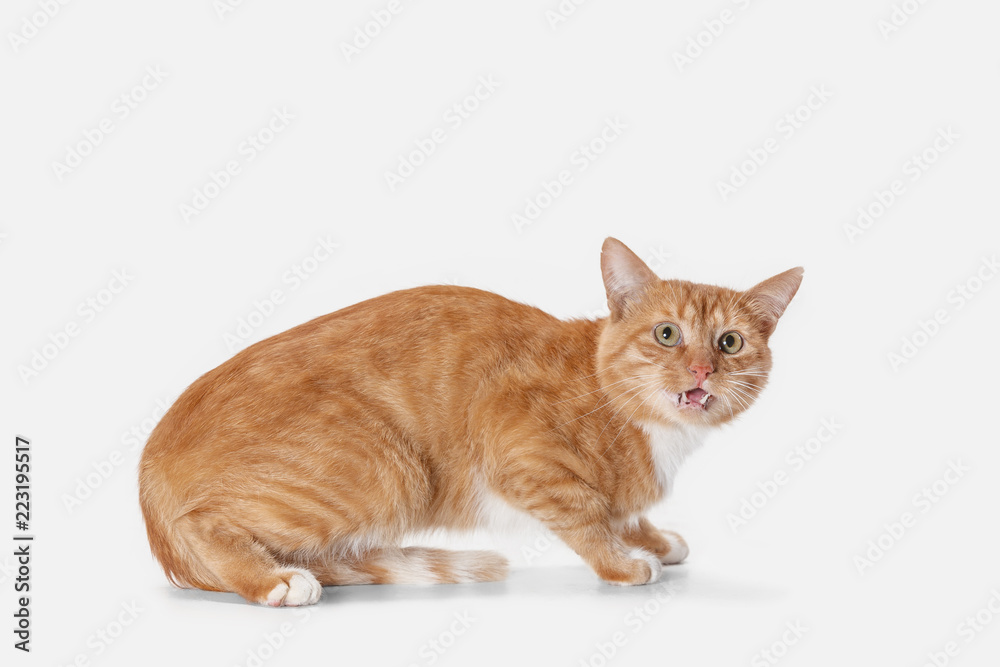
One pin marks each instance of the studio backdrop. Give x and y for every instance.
(180, 181)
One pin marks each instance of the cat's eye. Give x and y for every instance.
(667, 334)
(731, 342)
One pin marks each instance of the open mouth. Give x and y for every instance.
(693, 399)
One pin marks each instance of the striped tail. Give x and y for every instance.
(412, 565)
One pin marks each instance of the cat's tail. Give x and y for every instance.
(411, 565)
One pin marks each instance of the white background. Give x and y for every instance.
(656, 187)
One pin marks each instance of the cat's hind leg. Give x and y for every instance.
(229, 558)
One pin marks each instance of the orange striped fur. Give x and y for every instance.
(306, 459)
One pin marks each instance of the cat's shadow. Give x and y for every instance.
(554, 582)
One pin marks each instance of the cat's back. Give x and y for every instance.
(407, 347)
(443, 303)
(434, 316)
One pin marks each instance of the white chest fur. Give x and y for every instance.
(670, 445)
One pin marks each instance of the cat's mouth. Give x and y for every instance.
(693, 399)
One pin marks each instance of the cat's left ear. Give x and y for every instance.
(774, 294)
(625, 275)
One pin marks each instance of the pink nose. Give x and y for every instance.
(700, 372)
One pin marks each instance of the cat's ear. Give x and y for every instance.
(774, 294)
(624, 274)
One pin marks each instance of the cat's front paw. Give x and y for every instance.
(669, 547)
(642, 567)
(676, 549)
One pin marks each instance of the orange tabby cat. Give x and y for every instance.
(305, 460)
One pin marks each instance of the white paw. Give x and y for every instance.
(655, 568)
(678, 548)
(302, 589)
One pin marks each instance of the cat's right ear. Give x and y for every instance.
(624, 273)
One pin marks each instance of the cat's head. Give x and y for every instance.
(685, 352)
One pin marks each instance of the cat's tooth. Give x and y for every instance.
(704, 398)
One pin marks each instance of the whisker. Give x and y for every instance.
(741, 402)
(633, 377)
(745, 384)
(649, 361)
(740, 385)
(602, 405)
(603, 370)
(740, 393)
(743, 392)
(726, 402)
(627, 421)
(612, 418)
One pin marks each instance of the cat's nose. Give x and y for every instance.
(700, 372)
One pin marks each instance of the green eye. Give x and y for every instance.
(731, 342)
(667, 334)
